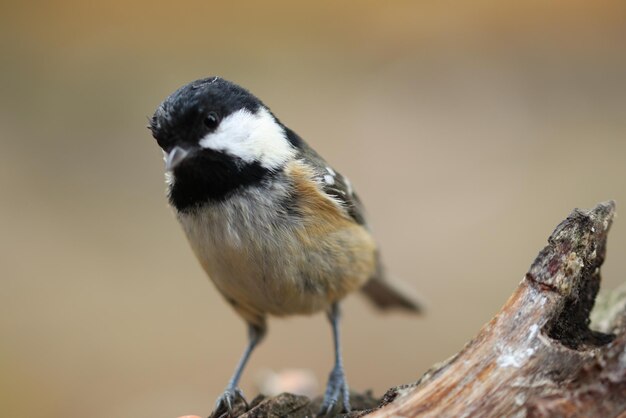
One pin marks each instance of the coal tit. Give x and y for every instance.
(276, 228)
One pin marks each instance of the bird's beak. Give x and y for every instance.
(174, 157)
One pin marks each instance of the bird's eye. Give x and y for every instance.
(211, 120)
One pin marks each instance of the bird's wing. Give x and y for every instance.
(333, 183)
(385, 294)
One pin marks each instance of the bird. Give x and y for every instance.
(278, 230)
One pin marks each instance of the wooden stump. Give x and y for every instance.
(537, 357)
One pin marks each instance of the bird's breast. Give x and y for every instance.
(280, 249)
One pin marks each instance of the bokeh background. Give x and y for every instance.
(469, 128)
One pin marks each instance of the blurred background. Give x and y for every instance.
(470, 130)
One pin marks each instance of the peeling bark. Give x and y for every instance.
(538, 357)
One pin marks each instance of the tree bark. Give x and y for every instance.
(537, 357)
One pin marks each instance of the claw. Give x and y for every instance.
(225, 403)
(337, 394)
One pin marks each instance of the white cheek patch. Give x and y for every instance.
(252, 137)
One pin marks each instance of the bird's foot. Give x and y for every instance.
(225, 404)
(337, 396)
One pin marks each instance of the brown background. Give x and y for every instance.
(469, 128)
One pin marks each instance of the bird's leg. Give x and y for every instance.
(337, 392)
(224, 404)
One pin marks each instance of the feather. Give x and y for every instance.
(388, 295)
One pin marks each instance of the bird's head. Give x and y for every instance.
(216, 118)
(216, 138)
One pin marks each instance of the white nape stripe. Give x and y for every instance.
(252, 137)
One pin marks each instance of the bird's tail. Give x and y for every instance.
(388, 295)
